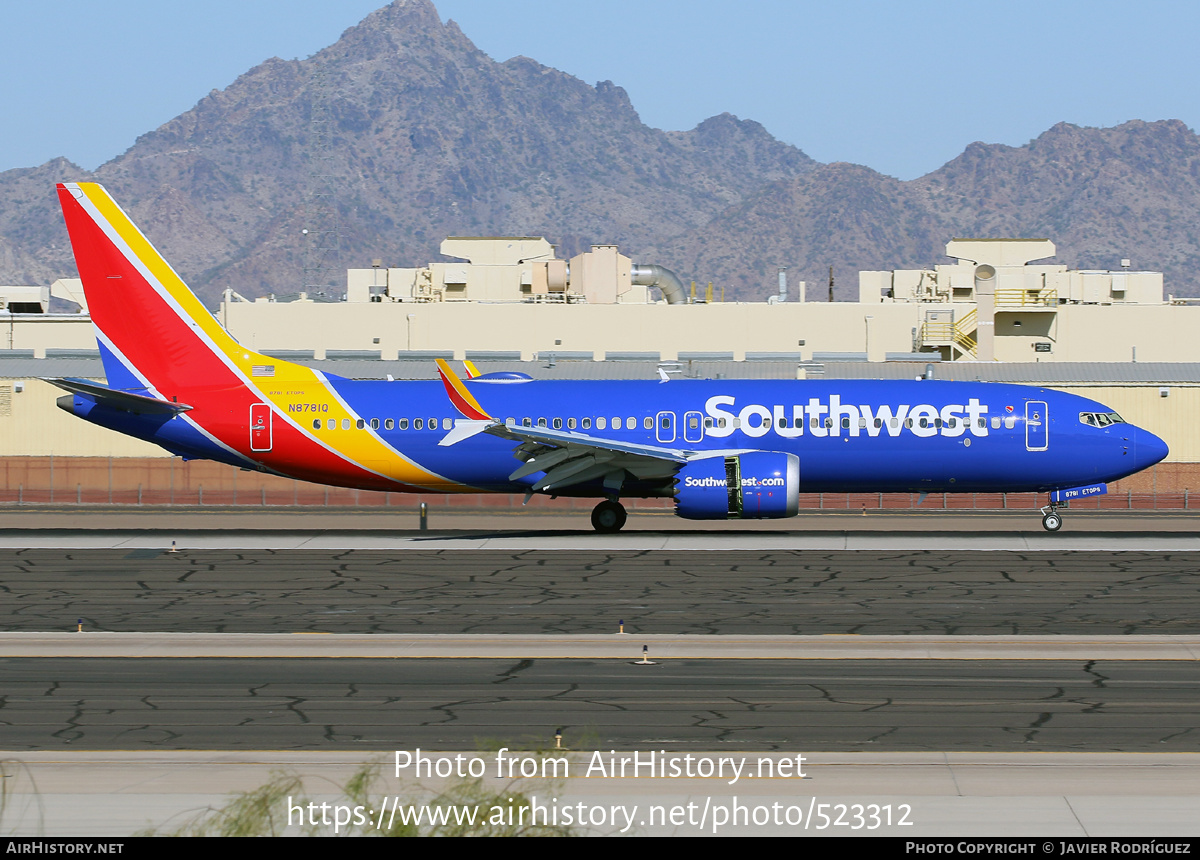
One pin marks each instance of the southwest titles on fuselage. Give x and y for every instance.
(824, 419)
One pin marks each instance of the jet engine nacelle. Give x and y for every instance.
(753, 486)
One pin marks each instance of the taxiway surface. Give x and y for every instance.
(752, 591)
(380, 705)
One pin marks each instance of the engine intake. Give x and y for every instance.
(757, 485)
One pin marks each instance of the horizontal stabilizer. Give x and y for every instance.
(113, 398)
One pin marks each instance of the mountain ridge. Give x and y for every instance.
(430, 137)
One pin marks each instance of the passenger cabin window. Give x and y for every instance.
(601, 423)
(418, 423)
(557, 423)
(996, 422)
(648, 423)
(570, 423)
(345, 423)
(587, 423)
(389, 424)
(447, 423)
(528, 422)
(317, 424)
(403, 423)
(374, 423)
(1010, 422)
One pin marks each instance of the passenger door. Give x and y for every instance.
(1037, 426)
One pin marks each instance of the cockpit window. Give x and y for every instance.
(1100, 419)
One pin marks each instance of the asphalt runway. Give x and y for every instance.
(1074, 605)
(845, 705)
(763, 592)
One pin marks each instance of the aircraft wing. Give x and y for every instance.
(565, 456)
(570, 458)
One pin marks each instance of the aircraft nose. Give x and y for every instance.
(1148, 449)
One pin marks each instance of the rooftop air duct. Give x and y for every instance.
(650, 275)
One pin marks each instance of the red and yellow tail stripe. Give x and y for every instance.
(177, 348)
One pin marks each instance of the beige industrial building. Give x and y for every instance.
(993, 314)
(601, 305)
(511, 298)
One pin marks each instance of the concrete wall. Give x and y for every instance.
(40, 332)
(597, 329)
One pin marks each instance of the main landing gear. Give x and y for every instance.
(608, 517)
(1051, 519)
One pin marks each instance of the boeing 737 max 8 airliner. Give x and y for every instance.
(721, 449)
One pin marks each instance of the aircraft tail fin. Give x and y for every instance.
(154, 334)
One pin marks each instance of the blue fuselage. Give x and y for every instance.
(851, 435)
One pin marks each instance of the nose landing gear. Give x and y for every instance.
(608, 517)
(1051, 519)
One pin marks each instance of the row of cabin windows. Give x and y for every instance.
(388, 423)
(448, 423)
(952, 423)
(648, 423)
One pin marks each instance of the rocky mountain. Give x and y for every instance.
(428, 137)
(1101, 194)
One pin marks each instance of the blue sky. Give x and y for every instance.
(899, 86)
